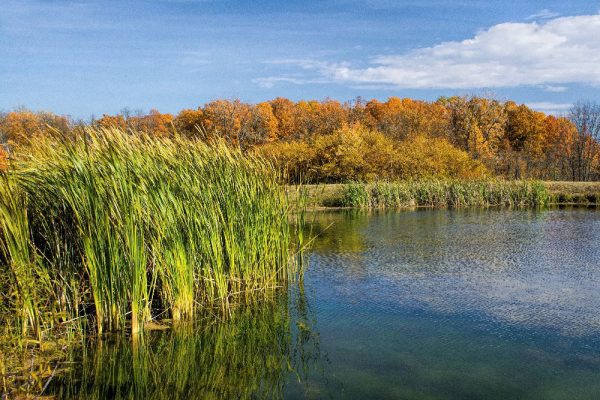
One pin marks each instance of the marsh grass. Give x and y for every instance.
(245, 357)
(445, 193)
(106, 230)
(250, 355)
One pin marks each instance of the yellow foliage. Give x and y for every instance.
(424, 157)
(357, 153)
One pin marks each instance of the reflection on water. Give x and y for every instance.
(537, 268)
(456, 304)
(442, 304)
(250, 356)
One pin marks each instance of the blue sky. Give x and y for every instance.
(91, 57)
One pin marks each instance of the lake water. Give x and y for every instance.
(445, 304)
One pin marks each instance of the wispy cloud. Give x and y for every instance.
(547, 55)
(554, 89)
(270, 81)
(543, 14)
(305, 63)
(550, 108)
(324, 71)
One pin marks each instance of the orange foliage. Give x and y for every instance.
(329, 140)
(3, 159)
(406, 118)
(189, 122)
(110, 121)
(20, 126)
(284, 113)
(156, 123)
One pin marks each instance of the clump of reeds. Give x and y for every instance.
(120, 227)
(245, 357)
(446, 193)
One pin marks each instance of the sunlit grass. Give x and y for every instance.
(107, 230)
(445, 193)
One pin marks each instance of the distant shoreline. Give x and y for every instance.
(329, 196)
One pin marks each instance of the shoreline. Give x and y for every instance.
(330, 196)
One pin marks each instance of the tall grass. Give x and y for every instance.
(116, 229)
(245, 357)
(250, 355)
(445, 193)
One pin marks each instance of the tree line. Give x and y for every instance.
(331, 141)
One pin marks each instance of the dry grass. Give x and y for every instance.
(574, 192)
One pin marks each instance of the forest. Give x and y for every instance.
(461, 137)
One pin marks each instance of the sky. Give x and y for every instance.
(90, 57)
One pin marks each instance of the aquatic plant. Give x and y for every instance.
(248, 356)
(251, 354)
(114, 229)
(445, 193)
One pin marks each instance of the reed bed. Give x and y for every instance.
(248, 356)
(445, 193)
(107, 230)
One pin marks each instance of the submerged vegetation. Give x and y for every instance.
(109, 230)
(445, 193)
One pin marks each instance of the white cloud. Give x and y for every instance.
(548, 55)
(270, 81)
(543, 14)
(554, 89)
(550, 108)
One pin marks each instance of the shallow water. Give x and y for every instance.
(445, 304)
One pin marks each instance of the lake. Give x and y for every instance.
(427, 304)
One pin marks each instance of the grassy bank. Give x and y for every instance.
(109, 231)
(444, 193)
(578, 193)
(427, 194)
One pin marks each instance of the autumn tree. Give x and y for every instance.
(22, 125)
(406, 118)
(522, 151)
(189, 122)
(560, 135)
(358, 153)
(153, 123)
(284, 113)
(112, 121)
(227, 119)
(261, 126)
(425, 157)
(585, 148)
(477, 125)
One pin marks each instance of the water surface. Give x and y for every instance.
(444, 304)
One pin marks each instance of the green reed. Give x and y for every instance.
(114, 229)
(251, 355)
(445, 193)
